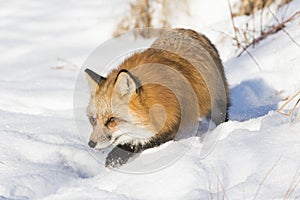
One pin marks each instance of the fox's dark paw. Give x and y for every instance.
(117, 157)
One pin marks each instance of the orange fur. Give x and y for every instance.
(179, 73)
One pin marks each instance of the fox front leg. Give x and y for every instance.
(122, 152)
(120, 155)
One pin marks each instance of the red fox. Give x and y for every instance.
(154, 92)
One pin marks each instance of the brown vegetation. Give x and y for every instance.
(249, 7)
(249, 35)
(146, 14)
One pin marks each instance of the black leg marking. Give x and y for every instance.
(227, 110)
(121, 153)
(118, 156)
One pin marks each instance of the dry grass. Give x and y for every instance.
(294, 183)
(249, 7)
(220, 184)
(265, 177)
(254, 31)
(287, 195)
(64, 64)
(294, 100)
(140, 16)
(270, 31)
(146, 14)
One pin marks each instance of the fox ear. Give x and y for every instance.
(93, 78)
(125, 83)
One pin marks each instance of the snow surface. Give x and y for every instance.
(43, 155)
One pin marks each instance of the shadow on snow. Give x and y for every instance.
(252, 99)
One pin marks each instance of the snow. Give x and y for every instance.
(44, 131)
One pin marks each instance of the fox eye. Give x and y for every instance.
(93, 120)
(110, 122)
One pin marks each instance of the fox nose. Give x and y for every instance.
(92, 144)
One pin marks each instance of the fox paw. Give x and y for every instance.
(117, 157)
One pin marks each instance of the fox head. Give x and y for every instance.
(117, 111)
